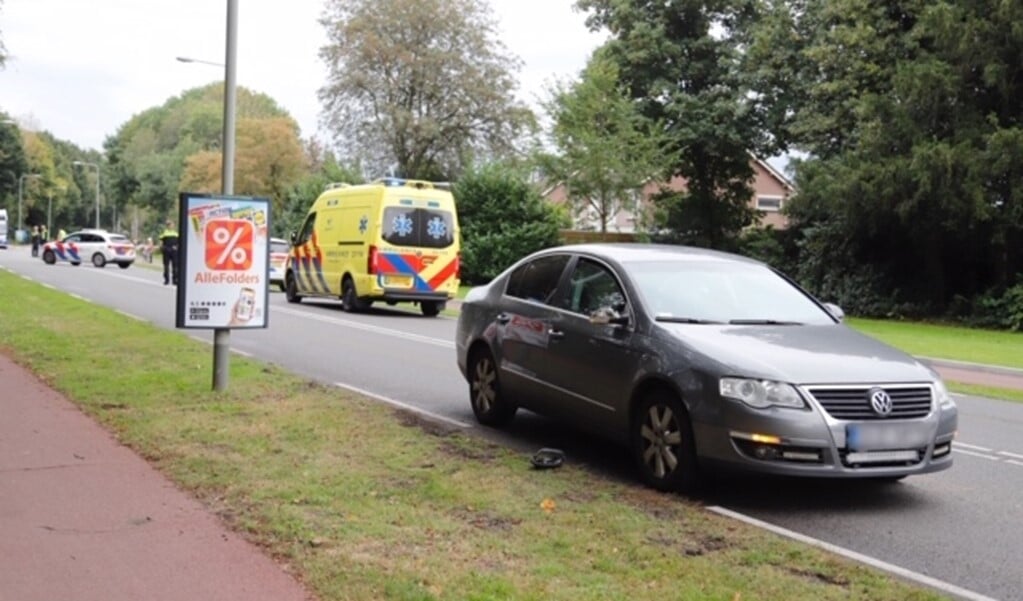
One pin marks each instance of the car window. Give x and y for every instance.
(278, 246)
(119, 239)
(592, 286)
(73, 238)
(91, 238)
(722, 292)
(307, 230)
(537, 280)
(429, 228)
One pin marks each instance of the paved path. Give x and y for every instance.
(83, 518)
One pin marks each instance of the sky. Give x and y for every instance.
(81, 69)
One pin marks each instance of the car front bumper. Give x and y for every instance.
(813, 443)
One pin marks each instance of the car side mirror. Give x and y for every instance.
(835, 311)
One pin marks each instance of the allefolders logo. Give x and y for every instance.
(229, 244)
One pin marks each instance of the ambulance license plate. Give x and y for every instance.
(397, 281)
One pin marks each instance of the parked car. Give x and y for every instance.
(97, 246)
(278, 257)
(698, 360)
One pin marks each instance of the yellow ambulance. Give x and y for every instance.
(393, 240)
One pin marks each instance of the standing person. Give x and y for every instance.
(169, 248)
(35, 240)
(147, 250)
(61, 234)
(44, 233)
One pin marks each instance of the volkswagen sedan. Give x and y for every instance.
(698, 360)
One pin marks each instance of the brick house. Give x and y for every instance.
(770, 191)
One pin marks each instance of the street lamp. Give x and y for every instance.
(97, 186)
(21, 191)
(185, 59)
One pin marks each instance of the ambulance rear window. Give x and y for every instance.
(428, 228)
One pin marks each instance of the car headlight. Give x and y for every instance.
(944, 399)
(761, 393)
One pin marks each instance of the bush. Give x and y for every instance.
(502, 218)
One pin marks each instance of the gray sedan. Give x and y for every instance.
(698, 360)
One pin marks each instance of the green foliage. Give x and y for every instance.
(147, 158)
(606, 150)
(12, 164)
(916, 143)
(679, 60)
(502, 218)
(419, 88)
(302, 195)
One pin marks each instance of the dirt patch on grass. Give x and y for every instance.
(818, 575)
(486, 520)
(427, 425)
(467, 448)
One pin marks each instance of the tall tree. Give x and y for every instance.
(606, 150)
(680, 59)
(3, 50)
(912, 192)
(422, 87)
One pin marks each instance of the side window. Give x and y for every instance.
(74, 238)
(537, 280)
(307, 230)
(592, 287)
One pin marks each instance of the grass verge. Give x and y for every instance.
(363, 502)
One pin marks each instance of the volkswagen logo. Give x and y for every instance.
(880, 402)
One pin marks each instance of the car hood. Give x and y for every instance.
(812, 354)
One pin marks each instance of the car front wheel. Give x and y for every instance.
(663, 445)
(488, 404)
(49, 257)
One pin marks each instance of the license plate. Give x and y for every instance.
(398, 281)
(887, 436)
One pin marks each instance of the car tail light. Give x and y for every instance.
(372, 262)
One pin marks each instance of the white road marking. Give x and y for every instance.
(934, 583)
(1014, 462)
(126, 314)
(79, 297)
(1008, 454)
(972, 454)
(406, 406)
(971, 446)
(369, 328)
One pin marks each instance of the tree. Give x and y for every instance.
(147, 158)
(12, 163)
(269, 161)
(3, 51)
(607, 151)
(502, 218)
(680, 60)
(419, 87)
(911, 194)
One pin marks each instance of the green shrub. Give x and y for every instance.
(502, 218)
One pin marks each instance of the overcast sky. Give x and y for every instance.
(82, 68)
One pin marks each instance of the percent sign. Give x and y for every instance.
(229, 244)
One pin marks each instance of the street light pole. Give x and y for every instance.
(97, 186)
(222, 336)
(21, 191)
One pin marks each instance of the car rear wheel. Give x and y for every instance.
(663, 445)
(431, 308)
(350, 300)
(291, 289)
(99, 260)
(488, 404)
(49, 257)
(124, 265)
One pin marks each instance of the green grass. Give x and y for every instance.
(947, 342)
(364, 502)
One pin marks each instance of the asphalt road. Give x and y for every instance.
(963, 526)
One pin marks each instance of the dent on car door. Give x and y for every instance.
(524, 322)
(592, 363)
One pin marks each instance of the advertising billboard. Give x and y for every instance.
(224, 258)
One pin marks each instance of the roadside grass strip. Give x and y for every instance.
(365, 501)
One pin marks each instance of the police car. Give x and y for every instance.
(278, 256)
(96, 246)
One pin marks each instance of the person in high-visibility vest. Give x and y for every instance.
(169, 249)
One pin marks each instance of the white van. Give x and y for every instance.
(3, 228)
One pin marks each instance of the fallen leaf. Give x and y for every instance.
(548, 505)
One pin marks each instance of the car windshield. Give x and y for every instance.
(722, 292)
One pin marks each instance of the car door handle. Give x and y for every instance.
(556, 334)
(503, 318)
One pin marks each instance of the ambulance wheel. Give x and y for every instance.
(431, 308)
(291, 289)
(49, 258)
(350, 301)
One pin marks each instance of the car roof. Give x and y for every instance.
(630, 251)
